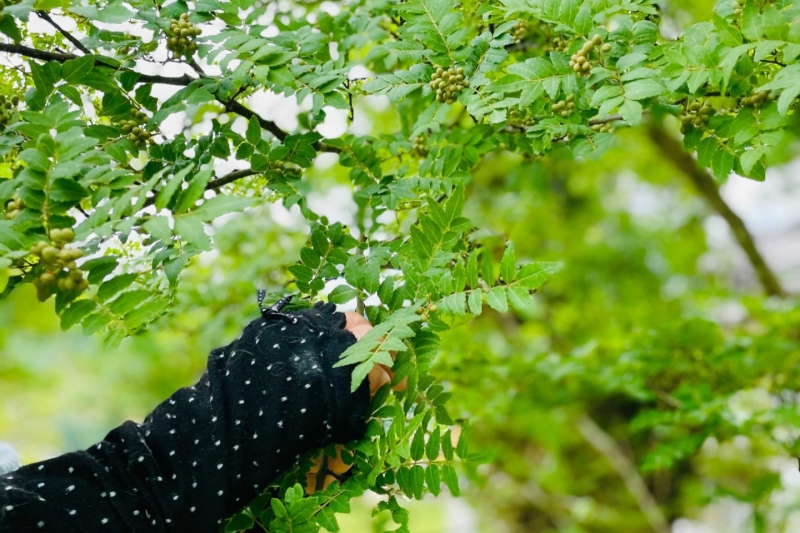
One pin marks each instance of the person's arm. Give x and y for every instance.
(266, 399)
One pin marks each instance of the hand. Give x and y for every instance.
(379, 376)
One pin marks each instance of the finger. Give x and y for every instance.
(378, 377)
(360, 330)
(336, 464)
(311, 483)
(316, 466)
(354, 319)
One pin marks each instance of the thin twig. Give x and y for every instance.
(46, 16)
(708, 188)
(229, 178)
(624, 467)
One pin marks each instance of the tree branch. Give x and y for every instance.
(231, 106)
(229, 178)
(46, 16)
(622, 465)
(708, 188)
(44, 55)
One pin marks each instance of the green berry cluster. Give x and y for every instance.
(7, 107)
(286, 168)
(559, 44)
(14, 207)
(180, 39)
(696, 113)
(419, 146)
(756, 99)
(425, 312)
(448, 83)
(602, 128)
(579, 60)
(135, 127)
(60, 271)
(563, 107)
(519, 118)
(520, 30)
(737, 7)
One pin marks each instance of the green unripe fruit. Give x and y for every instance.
(69, 284)
(50, 254)
(565, 113)
(586, 67)
(15, 99)
(597, 39)
(83, 285)
(67, 235)
(75, 274)
(47, 279)
(433, 308)
(576, 67)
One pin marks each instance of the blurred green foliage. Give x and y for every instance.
(643, 385)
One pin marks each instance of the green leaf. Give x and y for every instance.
(190, 229)
(8, 27)
(534, 275)
(75, 312)
(253, 134)
(112, 287)
(472, 270)
(173, 184)
(508, 264)
(475, 302)
(128, 301)
(519, 298)
(642, 89)
(433, 480)
(158, 227)
(496, 298)
(278, 508)
(451, 479)
(145, 313)
(191, 194)
(631, 112)
(75, 70)
(342, 294)
(418, 445)
(221, 205)
(327, 519)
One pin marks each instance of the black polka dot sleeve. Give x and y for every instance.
(266, 399)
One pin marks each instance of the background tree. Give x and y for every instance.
(611, 389)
